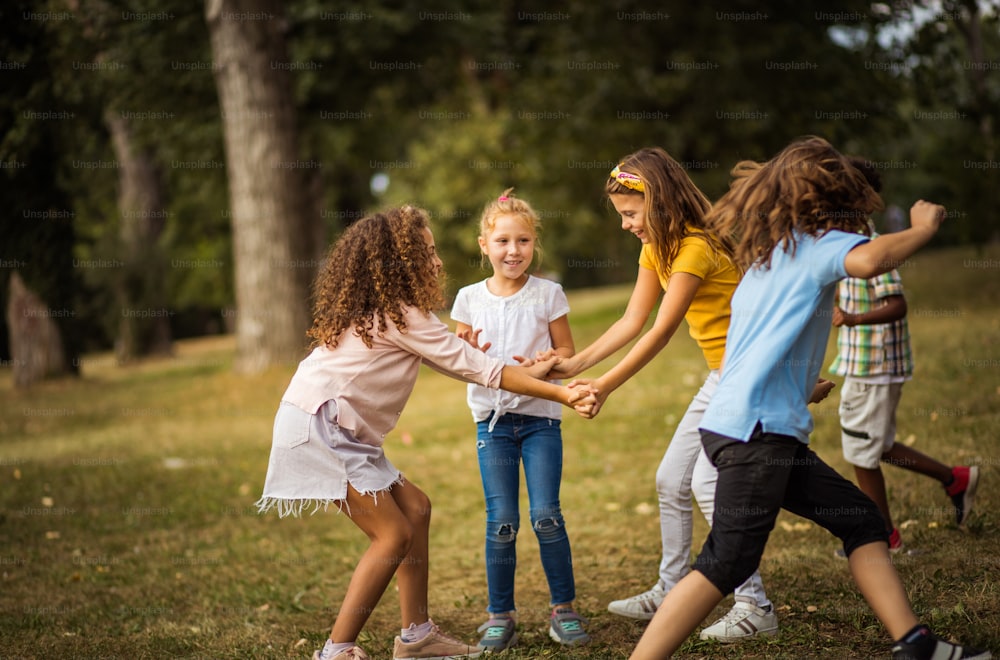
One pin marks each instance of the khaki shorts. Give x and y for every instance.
(868, 420)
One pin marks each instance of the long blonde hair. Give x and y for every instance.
(807, 188)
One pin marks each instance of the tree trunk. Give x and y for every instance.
(36, 349)
(144, 323)
(271, 215)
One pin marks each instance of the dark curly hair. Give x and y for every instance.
(378, 266)
(808, 188)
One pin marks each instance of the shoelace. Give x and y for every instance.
(734, 615)
(569, 621)
(570, 625)
(495, 632)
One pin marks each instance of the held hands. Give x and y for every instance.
(568, 368)
(821, 390)
(589, 407)
(584, 399)
(538, 368)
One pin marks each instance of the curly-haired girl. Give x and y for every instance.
(793, 224)
(373, 327)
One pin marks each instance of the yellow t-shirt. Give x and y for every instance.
(708, 315)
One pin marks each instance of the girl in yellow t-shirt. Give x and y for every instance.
(693, 271)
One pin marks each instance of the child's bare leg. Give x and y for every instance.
(879, 583)
(911, 459)
(391, 536)
(686, 605)
(872, 484)
(412, 574)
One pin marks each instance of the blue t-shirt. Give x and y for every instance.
(778, 333)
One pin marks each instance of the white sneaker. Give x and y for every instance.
(745, 620)
(642, 606)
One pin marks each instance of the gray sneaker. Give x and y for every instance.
(498, 634)
(566, 627)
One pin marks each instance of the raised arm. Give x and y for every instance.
(646, 292)
(882, 254)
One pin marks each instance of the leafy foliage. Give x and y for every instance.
(456, 105)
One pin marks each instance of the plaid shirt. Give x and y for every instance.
(872, 350)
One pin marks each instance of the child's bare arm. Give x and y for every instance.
(526, 380)
(562, 344)
(892, 309)
(882, 254)
(821, 390)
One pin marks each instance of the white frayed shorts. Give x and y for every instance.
(313, 460)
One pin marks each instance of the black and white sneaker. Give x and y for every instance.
(921, 644)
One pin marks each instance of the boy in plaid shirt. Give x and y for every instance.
(875, 358)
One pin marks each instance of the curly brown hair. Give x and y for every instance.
(808, 188)
(674, 206)
(378, 266)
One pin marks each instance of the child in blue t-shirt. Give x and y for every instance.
(794, 224)
(875, 358)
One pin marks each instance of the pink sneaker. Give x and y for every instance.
(435, 646)
(353, 653)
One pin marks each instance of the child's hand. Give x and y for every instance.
(840, 317)
(584, 399)
(595, 402)
(821, 390)
(472, 338)
(539, 368)
(567, 368)
(926, 215)
(524, 361)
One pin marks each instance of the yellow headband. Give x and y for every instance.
(627, 179)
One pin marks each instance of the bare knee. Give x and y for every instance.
(396, 541)
(418, 512)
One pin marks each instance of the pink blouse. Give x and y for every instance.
(371, 385)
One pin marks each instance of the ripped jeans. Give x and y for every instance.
(537, 441)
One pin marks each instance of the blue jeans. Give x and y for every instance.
(538, 442)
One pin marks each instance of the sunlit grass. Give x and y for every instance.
(127, 527)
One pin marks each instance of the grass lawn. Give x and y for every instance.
(127, 528)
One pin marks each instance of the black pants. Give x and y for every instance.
(756, 480)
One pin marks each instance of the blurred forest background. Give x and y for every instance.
(174, 169)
